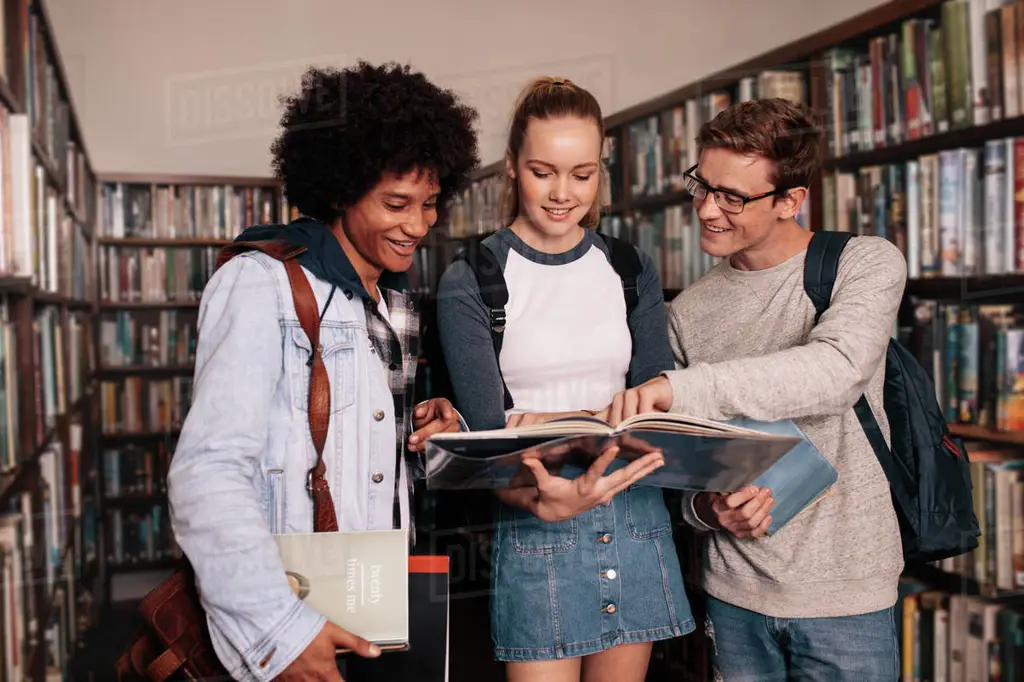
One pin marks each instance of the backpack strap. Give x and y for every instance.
(324, 516)
(627, 265)
(820, 267)
(494, 292)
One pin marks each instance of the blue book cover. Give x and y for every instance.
(798, 478)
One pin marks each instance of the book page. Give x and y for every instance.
(683, 423)
(571, 426)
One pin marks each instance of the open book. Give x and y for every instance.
(699, 455)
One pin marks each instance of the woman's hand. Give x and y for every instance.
(553, 498)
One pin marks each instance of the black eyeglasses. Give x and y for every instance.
(728, 201)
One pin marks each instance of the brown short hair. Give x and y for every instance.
(777, 129)
(546, 98)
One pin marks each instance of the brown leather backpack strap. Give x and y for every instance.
(324, 516)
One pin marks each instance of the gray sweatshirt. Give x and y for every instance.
(746, 346)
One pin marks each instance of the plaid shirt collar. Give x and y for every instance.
(397, 347)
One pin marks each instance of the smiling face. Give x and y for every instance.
(557, 173)
(382, 230)
(763, 228)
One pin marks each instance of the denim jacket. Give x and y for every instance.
(239, 472)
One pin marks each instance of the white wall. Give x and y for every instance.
(145, 74)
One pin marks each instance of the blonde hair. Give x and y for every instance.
(546, 98)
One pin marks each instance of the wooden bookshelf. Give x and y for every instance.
(47, 463)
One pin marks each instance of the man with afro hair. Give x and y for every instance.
(369, 156)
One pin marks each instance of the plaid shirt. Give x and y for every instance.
(397, 346)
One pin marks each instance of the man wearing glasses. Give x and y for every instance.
(814, 600)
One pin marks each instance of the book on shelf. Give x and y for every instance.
(699, 454)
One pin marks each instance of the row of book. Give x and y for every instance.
(136, 470)
(61, 373)
(47, 108)
(671, 237)
(959, 69)
(137, 405)
(138, 536)
(957, 637)
(975, 354)
(35, 225)
(38, 570)
(952, 213)
(131, 274)
(176, 211)
(663, 145)
(150, 338)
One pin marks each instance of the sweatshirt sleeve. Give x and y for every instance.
(825, 375)
(652, 353)
(464, 330)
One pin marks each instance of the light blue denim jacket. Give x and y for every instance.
(239, 472)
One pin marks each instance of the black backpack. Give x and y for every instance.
(493, 290)
(928, 468)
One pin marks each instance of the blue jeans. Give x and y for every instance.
(751, 647)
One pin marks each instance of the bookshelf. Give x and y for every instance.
(157, 240)
(922, 102)
(46, 354)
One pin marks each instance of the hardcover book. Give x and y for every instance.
(699, 454)
(357, 580)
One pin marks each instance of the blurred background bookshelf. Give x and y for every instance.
(157, 242)
(46, 356)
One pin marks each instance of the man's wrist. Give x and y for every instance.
(701, 507)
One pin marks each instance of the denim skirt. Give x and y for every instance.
(609, 576)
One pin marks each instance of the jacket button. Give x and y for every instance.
(605, 538)
(378, 415)
(610, 574)
(377, 477)
(609, 609)
(348, 294)
(393, 366)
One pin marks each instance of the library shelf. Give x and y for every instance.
(970, 136)
(144, 370)
(156, 242)
(955, 583)
(1008, 287)
(147, 305)
(981, 433)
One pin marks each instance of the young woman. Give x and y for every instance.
(367, 155)
(585, 572)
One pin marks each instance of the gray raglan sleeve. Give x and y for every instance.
(464, 330)
(652, 353)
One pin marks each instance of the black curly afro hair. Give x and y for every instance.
(345, 128)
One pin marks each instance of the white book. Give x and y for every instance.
(357, 580)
